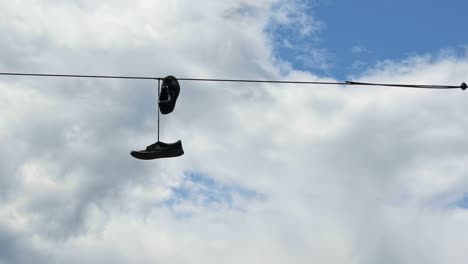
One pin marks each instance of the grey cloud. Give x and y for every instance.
(84, 129)
(241, 12)
(15, 248)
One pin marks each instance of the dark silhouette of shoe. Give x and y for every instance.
(170, 90)
(159, 150)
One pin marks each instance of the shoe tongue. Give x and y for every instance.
(164, 94)
(153, 146)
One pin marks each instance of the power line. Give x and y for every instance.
(160, 78)
(463, 86)
(77, 76)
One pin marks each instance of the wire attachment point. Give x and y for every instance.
(463, 86)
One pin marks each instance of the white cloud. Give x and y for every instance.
(360, 49)
(347, 175)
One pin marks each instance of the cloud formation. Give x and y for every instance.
(357, 49)
(271, 174)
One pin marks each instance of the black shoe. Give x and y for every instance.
(170, 90)
(159, 150)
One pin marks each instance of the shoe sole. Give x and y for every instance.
(165, 110)
(151, 155)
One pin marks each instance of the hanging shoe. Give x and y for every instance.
(159, 150)
(170, 90)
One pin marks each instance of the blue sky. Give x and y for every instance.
(357, 34)
(202, 190)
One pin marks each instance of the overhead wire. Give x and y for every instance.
(463, 86)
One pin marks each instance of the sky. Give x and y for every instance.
(271, 173)
(354, 35)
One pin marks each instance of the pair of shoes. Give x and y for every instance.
(170, 90)
(159, 150)
(167, 98)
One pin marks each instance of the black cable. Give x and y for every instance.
(260, 81)
(160, 78)
(159, 92)
(463, 86)
(76, 76)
